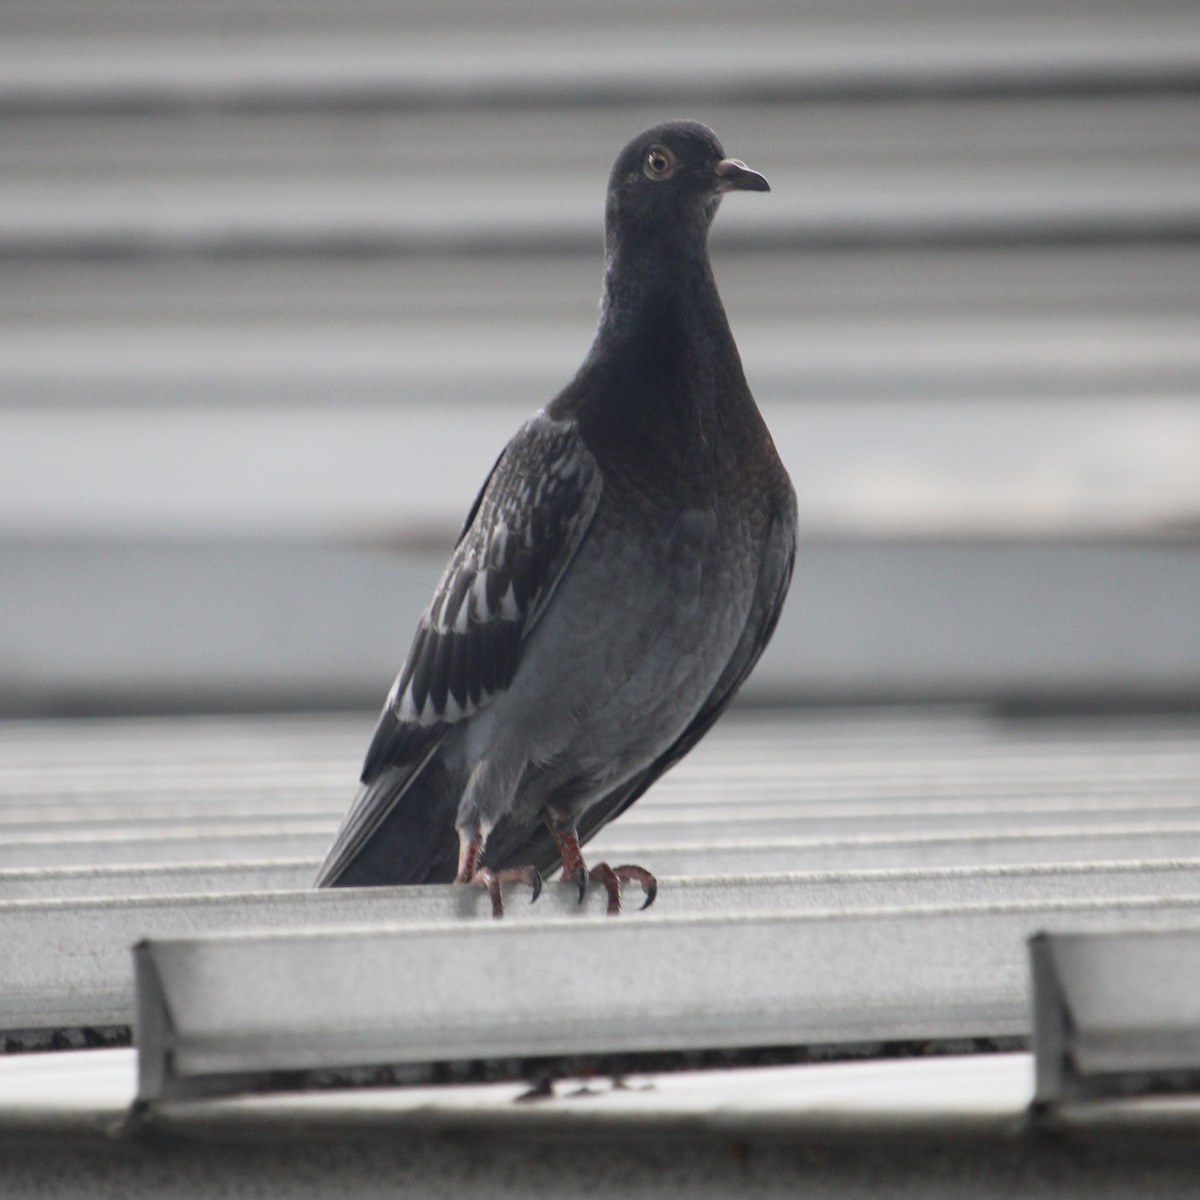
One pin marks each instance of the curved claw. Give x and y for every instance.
(535, 882)
(580, 878)
(649, 885)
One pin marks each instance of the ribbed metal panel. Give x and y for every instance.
(929, 1128)
(280, 281)
(247, 789)
(1115, 1015)
(844, 826)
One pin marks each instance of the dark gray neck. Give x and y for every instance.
(663, 380)
(661, 288)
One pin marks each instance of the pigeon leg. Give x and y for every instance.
(469, 871)
(566, 838)
(562, 830)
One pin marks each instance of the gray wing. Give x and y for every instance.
(523, 531)
(774, 579)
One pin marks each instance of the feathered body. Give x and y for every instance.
(621, 571)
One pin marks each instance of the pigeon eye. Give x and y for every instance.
(659, 163)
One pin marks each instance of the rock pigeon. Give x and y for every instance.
(614, 584)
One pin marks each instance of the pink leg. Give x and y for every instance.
(566, 838)
(469, 871)
(567, 841)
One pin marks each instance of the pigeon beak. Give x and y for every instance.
(735, 176)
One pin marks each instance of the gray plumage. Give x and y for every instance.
(617, 578)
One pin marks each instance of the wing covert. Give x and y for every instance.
(524, 530)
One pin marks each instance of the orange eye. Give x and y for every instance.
(659, 163)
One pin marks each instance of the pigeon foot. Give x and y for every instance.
(613, 877)
(491, 880)
(566, 838)
(469, 871)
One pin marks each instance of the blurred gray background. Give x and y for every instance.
(278, 281)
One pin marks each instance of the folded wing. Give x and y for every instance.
(519, 538)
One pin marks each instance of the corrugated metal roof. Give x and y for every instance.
(280, 282)
(846, 826)
(890, 952)
(264, 265)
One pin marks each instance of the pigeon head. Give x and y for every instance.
(668, 181)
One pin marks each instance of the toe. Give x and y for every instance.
(639, 875)
(604, 874)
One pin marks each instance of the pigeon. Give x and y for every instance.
(615, 582)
